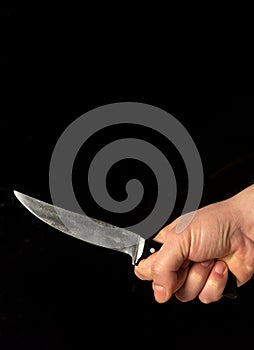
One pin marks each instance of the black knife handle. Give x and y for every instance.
(230, 291)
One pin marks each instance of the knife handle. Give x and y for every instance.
(230, 291)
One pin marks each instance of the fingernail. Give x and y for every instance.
(220, 269)
(161, 290)
(206, 263)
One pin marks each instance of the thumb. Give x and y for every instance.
(169, 259)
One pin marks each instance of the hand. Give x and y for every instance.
(195, 262)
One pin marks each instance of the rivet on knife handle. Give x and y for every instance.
(230, 291)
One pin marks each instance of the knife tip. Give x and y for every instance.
(18, 194)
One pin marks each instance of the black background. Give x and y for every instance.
(56, 64)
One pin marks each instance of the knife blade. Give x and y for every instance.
(101, 233)
(90, 229)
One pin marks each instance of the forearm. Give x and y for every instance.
(242, 208)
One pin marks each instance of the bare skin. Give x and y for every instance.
(195, 262)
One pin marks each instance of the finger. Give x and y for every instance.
(147, 267)
(160, 292)
(163, 233)
(182, 274)
(164, 269)
(215, 284)
(195, 281)
(143, 270)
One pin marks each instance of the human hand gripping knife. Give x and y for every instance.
(101, 233)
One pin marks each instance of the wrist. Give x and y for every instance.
(242, 209)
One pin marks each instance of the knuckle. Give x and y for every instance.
(209, 299)
(183, 297)
(157, 269)
(204, 300)
(142, 273)
(212, 292)
(139, 275)
(197, 277)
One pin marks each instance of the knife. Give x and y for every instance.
(102, 234)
